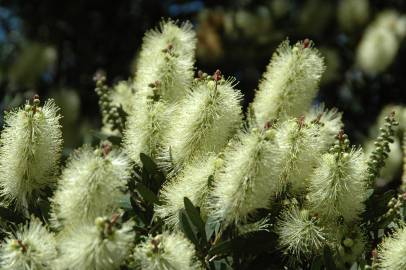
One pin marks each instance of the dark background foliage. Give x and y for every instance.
(83, 37)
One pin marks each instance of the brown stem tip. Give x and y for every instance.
(217, 75)
(306, 43)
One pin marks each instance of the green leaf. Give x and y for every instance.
(328, 259)
(250, 243)
(115, 140)
(377, 204)
(139, 211)
(148, 163)
(222, 265)
(187, 228)
(210, 181)
(148, 196)
(369, 193)
(125, 202)
(101, 136)
(224, 247)
(212, 226)
(317, 263)
(403, 213)
(151, 174)
(7, 213)
(145, 177)
(194, 216)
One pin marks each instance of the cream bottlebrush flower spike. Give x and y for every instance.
(32, 247)
(290, 82)
(30, 148)
(90, 186)
(380, 42)
(203, 122)
(391, 252)
(244, 183)
(122, 95)
(192, 182)
(100, 246)
(146, 125)
(164, 76)
(166, 60)
(166, 251)
(337, 187)
(352, 14)
(300, 233)
(296, 148)
(328, 122)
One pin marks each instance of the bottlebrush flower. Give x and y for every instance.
(351, 14)
(166, 251)
(30, 148)
(290, 82)
(166, 61)
(328, 122)
(338, 187)
(100, 246)
(122, 95)
(31, 247)
(391, 252)
(192, 182)
(203, 122)
(300, 234)
(380, 42)
(244, 184)
(90, 186)
(146, 125)
(297, 147)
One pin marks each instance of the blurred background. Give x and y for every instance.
(54, 48)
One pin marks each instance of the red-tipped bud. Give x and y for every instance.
(306, 43)
(300, 121)
(217, 75)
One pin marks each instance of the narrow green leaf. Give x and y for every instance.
(210, 227)
(145, 177)
(115, 140)
(369, 193)
(250, 243)
(125, 202)
(194, 216)
(151, 171)
(187, 228)
(328, 259)
(148, 163)
(138, 210)
(403, 212)
(221, 265)
(224, 247)
(99, 135)
(317, 263)
(377, 205)
(148, 196)
(210, 181)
